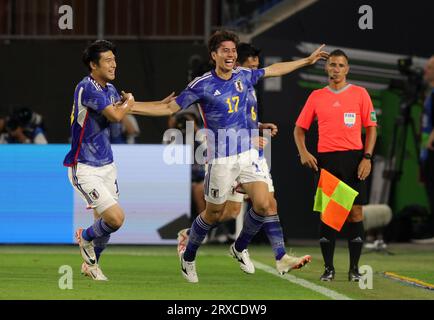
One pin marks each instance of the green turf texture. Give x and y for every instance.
(153, 273)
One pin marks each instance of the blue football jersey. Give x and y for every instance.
(252, 112)
(90, 129)
(224, 106)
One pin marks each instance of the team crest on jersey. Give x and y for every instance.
(112, 99)
(94, 194)
(349, 119)
(215, 193)
(239, 86)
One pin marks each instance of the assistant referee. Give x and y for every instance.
(341, 110)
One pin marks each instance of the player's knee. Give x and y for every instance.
(235, 212)
(116, 218)
(119, 221)
(272, 208)
(212, 216)
(230, 213)
(261, 206)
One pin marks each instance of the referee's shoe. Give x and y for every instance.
(354, 275)
(328, 275)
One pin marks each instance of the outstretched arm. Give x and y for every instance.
(155, 109)
(282, 68)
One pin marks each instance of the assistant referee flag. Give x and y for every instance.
(334, 200)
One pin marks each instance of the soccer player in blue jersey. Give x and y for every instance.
(248, 57)
(223, 93)
(91, 169)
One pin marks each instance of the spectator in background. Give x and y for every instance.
(25, 126)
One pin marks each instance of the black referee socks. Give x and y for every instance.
(355, 242)
(327, 242)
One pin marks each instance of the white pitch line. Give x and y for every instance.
(301, 282)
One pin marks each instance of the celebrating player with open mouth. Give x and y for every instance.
(222, 93)
(91, 169)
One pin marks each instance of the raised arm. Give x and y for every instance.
(282, 68)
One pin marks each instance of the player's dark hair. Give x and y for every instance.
(93, 52)
(218, 37)
(245, 51)
(338, 53)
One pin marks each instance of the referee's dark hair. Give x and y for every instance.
(93, 52)
(338, 53)
(246, 50)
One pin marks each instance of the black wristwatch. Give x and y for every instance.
(367, 156)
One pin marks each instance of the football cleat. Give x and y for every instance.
(328, 275)
(354, 275)
(94, 272)
(243, 258)
(288, 263)
(188, 269)
(86, 248)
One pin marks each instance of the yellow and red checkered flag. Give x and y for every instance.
(334, 200)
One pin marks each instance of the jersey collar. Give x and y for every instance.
(340, 90)
(220, 79)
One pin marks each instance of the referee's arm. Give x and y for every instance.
(365, 165)
(306, 158)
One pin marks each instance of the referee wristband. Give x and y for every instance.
(367, 156)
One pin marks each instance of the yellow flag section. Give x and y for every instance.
(334, 200)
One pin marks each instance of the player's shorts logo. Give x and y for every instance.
(94, 194)
(215, 193)
(239, 86)
(349, 119)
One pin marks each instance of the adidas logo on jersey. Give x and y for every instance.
(217, 93)
(336, 104)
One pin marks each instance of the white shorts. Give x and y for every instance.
(222, 172)
(97, 186)
(237, 193)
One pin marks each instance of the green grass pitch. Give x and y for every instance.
(153, 273)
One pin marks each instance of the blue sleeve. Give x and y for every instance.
(256, 75)
(117, 96)
(188, 97)
(94, 98)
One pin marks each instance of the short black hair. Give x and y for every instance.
(93, 52)
(246, 50)
(338, 53)
(220, 36)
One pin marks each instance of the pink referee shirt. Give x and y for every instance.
(341, 115)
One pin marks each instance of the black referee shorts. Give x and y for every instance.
(344, 165)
